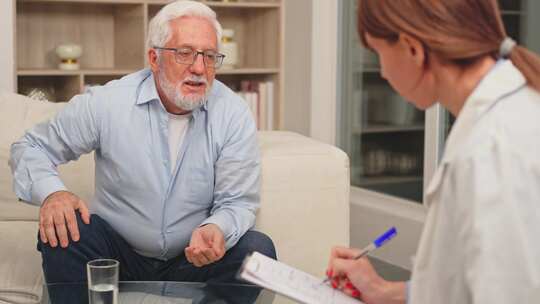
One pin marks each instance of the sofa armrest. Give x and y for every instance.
(304, 198)
(21, 278)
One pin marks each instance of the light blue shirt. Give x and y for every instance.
(216, 179)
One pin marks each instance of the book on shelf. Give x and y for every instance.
(259, 95)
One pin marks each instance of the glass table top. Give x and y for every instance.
(157, 292)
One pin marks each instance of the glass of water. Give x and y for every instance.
(103, 281)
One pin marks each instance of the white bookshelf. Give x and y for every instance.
(112, 34)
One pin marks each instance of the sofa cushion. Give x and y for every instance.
(21, 278)
(20, 113)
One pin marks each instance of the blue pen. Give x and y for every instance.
(381, 240)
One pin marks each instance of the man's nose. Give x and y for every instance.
(198, 66)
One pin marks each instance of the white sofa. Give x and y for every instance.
(304, 208)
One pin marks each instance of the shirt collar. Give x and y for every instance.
(148, 91)
(502, 80)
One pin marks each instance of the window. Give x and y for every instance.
(382, 134)
(394, 148)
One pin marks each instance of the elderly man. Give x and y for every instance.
(177, 166)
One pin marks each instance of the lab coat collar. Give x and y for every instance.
(503, 79)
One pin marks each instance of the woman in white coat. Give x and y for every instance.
(481, 239)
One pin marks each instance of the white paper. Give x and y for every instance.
(291, 282)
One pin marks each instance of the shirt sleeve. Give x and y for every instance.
(499, 189)
(35, 156)
(237, 180)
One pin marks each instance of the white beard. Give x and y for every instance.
(174, 94)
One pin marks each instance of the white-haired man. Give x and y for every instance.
(177, 166)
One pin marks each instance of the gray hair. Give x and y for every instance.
(159, 31)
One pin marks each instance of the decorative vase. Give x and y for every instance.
(229, 48)
(69, 54)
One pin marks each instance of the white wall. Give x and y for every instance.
(324, 70)
(7, 59)
(297, 66)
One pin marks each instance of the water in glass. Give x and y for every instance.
(103, 294)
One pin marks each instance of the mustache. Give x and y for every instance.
(195, 79)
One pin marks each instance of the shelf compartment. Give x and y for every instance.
(371, 69)
(380, 180)
(217, 4)
(256, 48)
(516, 13)
(513, 26)
(87, 1)
(56, 88)
(99, 79)
(57, 72)
(234, 81)
(381, 128)
(406, 142)
(111, 35)
(229, 4)
(248, 71)
(511, 5)
(406, 188)
(388, 154)
(378, 104)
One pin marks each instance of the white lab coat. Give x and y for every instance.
(481, 239)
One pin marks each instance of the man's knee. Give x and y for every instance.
(96, 225)
(86, 233)
(257, 241)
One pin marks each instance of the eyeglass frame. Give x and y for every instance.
(219, 56)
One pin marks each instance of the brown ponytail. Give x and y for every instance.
(459, 31)
(528, 64)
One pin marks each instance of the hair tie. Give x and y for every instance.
(506, 47)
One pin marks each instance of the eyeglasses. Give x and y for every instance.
(188, 56)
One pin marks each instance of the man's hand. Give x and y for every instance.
(207, 245)
(57, 216)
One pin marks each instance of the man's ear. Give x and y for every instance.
(413, 48)
(153, 59)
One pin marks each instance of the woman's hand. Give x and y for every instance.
(359, 279)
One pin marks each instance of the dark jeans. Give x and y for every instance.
(99, 240)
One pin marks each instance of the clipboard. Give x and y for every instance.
(290, 282)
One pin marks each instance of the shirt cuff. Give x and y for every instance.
(223, 221)
(45, 187)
